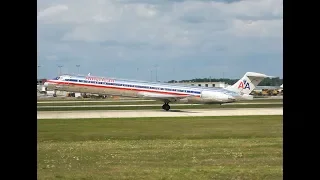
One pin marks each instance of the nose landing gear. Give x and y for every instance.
(54, 93)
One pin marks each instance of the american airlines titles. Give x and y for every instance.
(99, 79)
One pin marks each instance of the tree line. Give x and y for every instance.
(266, 82)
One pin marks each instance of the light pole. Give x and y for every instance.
(60, 69)
(156, 66)
(78, 66)
(137, 75)
(38, 71)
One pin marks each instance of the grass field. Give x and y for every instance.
(79, 108)
(117, 102)
(161, 148)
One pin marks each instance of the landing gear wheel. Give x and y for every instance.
(166, 107)
(54, 93)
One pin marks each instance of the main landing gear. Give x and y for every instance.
(166, 106)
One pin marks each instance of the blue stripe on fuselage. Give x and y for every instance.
(133, 85)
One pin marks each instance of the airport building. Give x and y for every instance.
(41, 81)
(259, 90)
(40, 86)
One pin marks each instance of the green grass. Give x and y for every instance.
(161, 148)
(70, 108)
(117, 102)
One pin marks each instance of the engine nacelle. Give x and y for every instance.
(212, 96)
(247, 97)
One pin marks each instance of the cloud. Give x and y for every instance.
(51, 11)
(52, 58)
(179, 34)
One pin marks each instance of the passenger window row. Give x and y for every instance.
(129, 85)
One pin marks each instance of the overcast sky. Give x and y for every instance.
(184, 39)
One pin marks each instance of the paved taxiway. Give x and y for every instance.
(143, 105)
(158, 113)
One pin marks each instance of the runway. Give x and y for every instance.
(157, 113)
(144, 105)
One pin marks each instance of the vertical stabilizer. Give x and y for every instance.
(247, 83)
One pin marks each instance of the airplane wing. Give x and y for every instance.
(162, 97)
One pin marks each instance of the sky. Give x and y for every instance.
(160, 39)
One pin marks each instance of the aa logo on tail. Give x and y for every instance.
(244, 85)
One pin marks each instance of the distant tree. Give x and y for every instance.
(266, 82)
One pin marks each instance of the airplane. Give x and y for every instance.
(165, 92)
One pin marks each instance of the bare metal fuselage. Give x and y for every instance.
(120, 92)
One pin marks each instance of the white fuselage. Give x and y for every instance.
(128, 88)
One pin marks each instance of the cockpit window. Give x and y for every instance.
(56, 78)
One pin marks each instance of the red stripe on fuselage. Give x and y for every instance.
(120, 88)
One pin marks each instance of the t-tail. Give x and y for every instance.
(247, 83)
